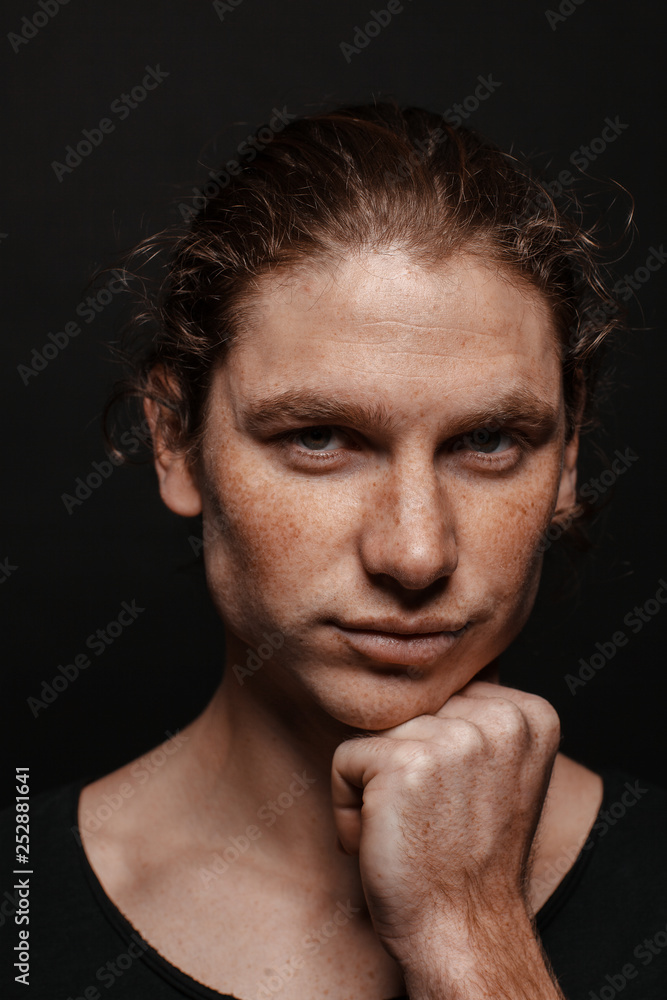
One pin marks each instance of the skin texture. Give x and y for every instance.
(384, 448)
(400, 525)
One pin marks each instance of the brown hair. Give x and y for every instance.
(339, 182)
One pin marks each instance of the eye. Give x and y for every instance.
(487, 441)
(319, 438)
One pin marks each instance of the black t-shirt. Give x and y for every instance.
(604, 927)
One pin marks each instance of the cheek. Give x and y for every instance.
(265, 544)
(501, 542)
(271, 547)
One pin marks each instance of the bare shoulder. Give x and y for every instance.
(121, 813)
(575, 791)
(570, 809)
(571, 806)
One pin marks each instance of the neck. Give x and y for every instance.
(258, 764)
(256, 758)
(256, 734)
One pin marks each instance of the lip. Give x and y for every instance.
(396, 627)
(417, 648)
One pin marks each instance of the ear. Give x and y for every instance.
(567, 490)
(566, 501)
(178, 488)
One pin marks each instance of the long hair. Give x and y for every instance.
(337, 183)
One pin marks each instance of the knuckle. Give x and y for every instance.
(506, 717)
(553, 731)
(411, 730)
(546, 715)
(467, 738)
(507, 711)
(413, 759)
(411, 752)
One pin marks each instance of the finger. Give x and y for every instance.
(354, 764)
(526, 701)
(485, 709)
(539, 714)
(446, 732)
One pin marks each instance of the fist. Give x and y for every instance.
(442, 811)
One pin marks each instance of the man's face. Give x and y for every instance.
(384, 450)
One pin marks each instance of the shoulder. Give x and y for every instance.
(624, 853)
(54, 810)
(127, 818)
(49, 885)
(629, 835)
(52, 844)
(609, 916)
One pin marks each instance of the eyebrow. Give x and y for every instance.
(518, 404)
(305, 405)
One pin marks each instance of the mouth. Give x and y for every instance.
(397, 645)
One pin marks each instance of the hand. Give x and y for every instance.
(442, 811)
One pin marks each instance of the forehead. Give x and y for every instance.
(380, 323)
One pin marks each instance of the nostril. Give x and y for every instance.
(411, 595)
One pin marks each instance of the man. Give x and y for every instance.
(379, 436)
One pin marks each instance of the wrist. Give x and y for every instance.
(488, 957)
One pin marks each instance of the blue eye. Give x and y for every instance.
(487, 441)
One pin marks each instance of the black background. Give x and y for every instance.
(225, 76)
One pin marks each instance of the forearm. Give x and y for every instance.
(499, 961)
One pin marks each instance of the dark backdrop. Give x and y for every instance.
(223, 69)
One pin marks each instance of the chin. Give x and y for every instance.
(380, 700)
(394, 700)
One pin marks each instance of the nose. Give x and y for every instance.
(409, 530)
